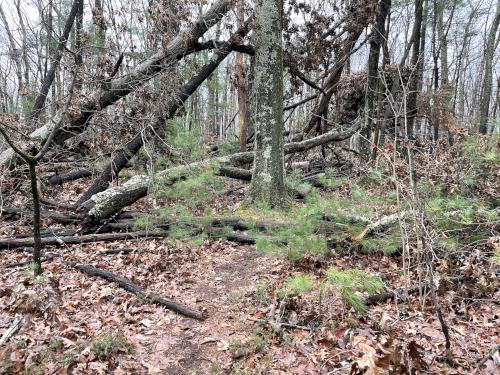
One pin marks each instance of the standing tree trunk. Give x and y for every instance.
(489, 51)
(268, 174)
(241, 84)
(25, 46)
(37, 240)
(78, 42)
(373, 79)
(417, 63)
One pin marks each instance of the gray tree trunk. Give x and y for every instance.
(376, 41)
(489, 52)
(268, 174)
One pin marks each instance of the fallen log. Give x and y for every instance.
(141, 293)
(402, 294)
(116, 251)
(11, 331)
(379, 224)
(47, 233)
(105, 204)
(59, 179)
(19, 213)
(8, 243)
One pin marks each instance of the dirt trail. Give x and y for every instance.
(221, 285)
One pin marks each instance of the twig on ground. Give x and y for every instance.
(276, 326)
(11, 331)
(129, 286)
(490, 354)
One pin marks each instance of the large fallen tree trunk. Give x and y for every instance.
(116, 88)
(107, 203)
(141, 293)
(178, 98)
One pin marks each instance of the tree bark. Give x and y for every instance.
(268, 174)
(417, 64)
(376, 41)
(59, 179)
(241, 84)
(9, 243)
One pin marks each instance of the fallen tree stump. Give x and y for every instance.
(129, 286)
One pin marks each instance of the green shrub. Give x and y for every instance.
(352, 281)
(110, 345)
(296, 285)
(388, 244)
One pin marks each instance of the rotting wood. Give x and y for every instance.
(141, 293)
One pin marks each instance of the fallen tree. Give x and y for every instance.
(177, 100)
(105, 204)
(8, 243)
(10, 213)
(116, 88)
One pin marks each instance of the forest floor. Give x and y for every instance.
(74, 323)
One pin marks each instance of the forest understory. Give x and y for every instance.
(277, 309)
(249, 187)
